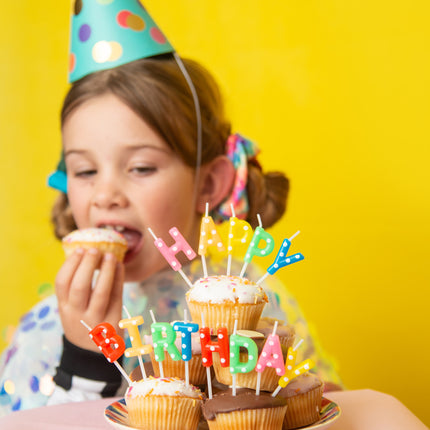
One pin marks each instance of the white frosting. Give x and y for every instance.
(95, 235)
(173, 387)
(221, 289)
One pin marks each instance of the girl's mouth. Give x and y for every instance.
(133, 237)
(134, 242)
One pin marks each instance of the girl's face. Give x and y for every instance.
(122, 174)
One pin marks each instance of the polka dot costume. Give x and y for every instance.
(109, 33)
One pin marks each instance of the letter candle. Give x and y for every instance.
(163, 337)
(293, 370)
(169, 253)
(236, 227)
(137, 348)
(186, 329)
(282, 259)
(236, 366)
(271, 356)
(109, 342)
(254, 249)
(209, 236)
(209, 347)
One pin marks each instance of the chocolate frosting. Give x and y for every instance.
(225, 402)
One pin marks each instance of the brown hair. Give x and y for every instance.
(156, 90)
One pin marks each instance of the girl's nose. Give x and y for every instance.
(108, 194)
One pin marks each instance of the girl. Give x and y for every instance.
(132, 162)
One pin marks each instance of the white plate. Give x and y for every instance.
(116, 414)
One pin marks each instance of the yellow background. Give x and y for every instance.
(336, 93)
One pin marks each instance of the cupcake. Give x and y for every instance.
(245, 410)
(196, 371)
(106, 240)
(285, 332)
(224, 299)
(269, 377)
(303, 395)
(163, 404)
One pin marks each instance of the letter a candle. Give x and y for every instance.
(209, 236)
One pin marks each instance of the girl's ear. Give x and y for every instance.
(216, 182)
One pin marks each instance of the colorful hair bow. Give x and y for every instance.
(239, 151)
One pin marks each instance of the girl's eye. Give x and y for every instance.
(142, 170)
(85, 173)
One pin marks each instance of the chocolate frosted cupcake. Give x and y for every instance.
(303, 395)
(245, 411)
(286, 332)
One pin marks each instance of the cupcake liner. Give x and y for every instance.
(249, 419)
(303, 409)
(224, 315)
(196, 371)
(269, 377)
(163, 412)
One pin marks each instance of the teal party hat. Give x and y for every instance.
(108, 33)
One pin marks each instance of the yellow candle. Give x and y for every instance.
(209, 236)
(293, 370)
(238, 232)
(137, 347)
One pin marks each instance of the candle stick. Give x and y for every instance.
(169, 253)
(234, 374)
(137, 349)
(236, 226)
(110, 344)
(209, 236)
(293, 370)
(282, 259)
(254, 249)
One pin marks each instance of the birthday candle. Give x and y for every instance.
(254, 249)
(163, 338)
(109, 342)
(282, 259)
(137, 348)
(271, 356)
(237, 366)
(293, 370)
(169, 253)
(186, 328)
(209, 346)
(238, 232)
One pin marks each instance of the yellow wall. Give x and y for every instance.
(336, 92)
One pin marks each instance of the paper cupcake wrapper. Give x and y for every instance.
(303, 409)
(249, 419)
(163, 412)
(116, 249)
(224, 315)
(196, 371)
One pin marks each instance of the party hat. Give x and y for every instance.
(108, 33)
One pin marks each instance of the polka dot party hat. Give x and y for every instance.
(109, 33)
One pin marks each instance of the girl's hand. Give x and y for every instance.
(77, 300)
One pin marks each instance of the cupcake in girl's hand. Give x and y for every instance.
(106, 240)
(244, 411)
(163, 404)
(224, 299)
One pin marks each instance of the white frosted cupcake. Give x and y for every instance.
(104, 239)
(224, 299)
(163, 404)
